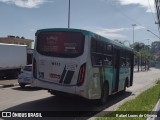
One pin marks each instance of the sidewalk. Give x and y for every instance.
(8, 83)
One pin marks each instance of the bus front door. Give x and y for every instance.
(116, 65)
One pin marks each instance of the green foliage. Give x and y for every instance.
(157, 56)
(142, 54)
(144, 102)
(119, 41)
(142, 50)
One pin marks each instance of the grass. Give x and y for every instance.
(158, 81)
(144, 102)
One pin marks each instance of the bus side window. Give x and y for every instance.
(122, 62)
(94, 59)
(108, 49)
(100, 47)
(97, 59)
(128, 60)
(93, 45)
(108, 61)
(122, 58)
(96, 50)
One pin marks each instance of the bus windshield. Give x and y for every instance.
(60, 44)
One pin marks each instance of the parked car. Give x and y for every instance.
(25, 76)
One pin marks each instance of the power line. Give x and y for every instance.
(153, 15)
(122, 13)
(125, 15)
(151, 11)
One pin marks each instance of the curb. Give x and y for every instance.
(125, 100)
(155, 111)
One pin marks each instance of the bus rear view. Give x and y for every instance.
(82, 63)
(59, 62)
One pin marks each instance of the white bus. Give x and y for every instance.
(82, 63)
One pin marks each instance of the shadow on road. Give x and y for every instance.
(68, 104)
(26, 88)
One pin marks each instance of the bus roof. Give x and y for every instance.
(85, 32)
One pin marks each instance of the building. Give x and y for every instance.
(16, 40)
(157, 5)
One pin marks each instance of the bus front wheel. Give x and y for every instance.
(124, 89)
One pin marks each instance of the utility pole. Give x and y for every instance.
(133, 45)
(69, 15)
(148, 41)
(133, 34)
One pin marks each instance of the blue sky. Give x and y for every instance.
(110, 18)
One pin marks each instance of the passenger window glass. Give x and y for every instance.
(100, 46)
(127, 62)
(128, 59)
(123, 62)
(108, 60)
(93, 45)
(97, 59)
(108, 49)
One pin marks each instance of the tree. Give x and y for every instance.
(158, 56)
(137, 47)
(146, 54)
(119, 41)
(142, 52)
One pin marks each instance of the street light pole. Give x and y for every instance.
(153, 33)
(69, 15)
(148, 41)
(133, 43)
(133, 34)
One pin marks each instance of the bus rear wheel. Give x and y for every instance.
(56, 93)
(104, 94)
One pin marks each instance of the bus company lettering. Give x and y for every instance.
(52, 75)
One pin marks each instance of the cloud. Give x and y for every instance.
(148, 4)
(25, 3)
(112, 33)
(32, 30)
(139, 27)
(115, 33)
(114, 30)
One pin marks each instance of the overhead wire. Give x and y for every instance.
(153, 16)
(130, 18)
(151, 11)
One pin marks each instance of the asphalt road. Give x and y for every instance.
(33, 99)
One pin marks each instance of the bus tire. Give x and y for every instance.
(104, 94)
(57, 94)
(22, 85)
(124, 88)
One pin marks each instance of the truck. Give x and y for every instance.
(12, 59)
